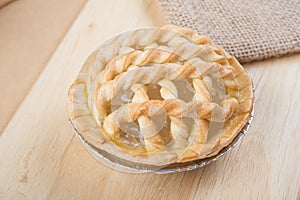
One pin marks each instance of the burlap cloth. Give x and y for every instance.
(248, 29)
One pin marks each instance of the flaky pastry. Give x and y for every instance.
(159, 96)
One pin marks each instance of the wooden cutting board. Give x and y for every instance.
(42, 159)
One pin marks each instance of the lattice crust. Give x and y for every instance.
(138, 62)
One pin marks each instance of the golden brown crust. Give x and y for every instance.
(116, 66)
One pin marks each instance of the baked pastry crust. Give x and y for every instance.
(132, 61)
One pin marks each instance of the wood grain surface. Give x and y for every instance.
(29, 34)
(42, 159)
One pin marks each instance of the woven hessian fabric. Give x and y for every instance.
(248, 29)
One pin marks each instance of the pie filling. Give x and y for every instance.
(129, 135)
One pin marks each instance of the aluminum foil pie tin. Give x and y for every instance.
(130, 167)
(171, 43)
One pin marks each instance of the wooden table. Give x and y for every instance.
(42, 159)
(29, 34)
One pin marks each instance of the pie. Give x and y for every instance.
(159, 96)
